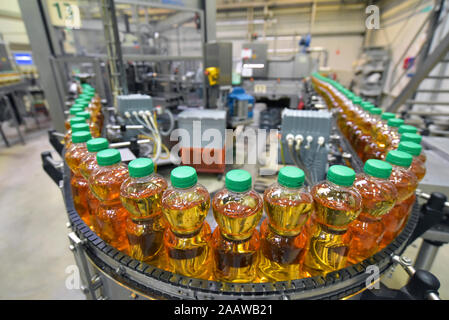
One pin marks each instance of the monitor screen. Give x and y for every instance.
(23, 59)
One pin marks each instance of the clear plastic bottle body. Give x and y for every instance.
(335, 208)
(283, 239)
(110, 218)
(187, 239)
(73, 157)
(87, 166)
(418, 168)
(378, 198)
(145, 226)
(236, 240)
(405, 183)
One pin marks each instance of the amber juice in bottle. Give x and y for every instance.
(73, 157)
(187, 239)
(72, 114)
(235, 242)
(417, 167)
(141, 195)
(74, 121)
(406, 183)
(288, 206)
(416, 138)
(105, 182)
(378, 197)
(337, 204)
(87, 166)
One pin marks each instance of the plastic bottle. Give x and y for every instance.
(378, 197)
(185, 206)
(382, 123)
(88, 166)
(72, 114)
(405, 128)
(337, 204)
(141, 195)
(417, 167)
(405, 182)
(416, 138)
(75, 121)
(94, 128)
(73, 157)
(237, 210)
(288, 206)
(105, 182)
(388, 134)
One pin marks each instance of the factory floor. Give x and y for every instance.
(33, 233)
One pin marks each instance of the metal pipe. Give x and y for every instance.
(426, 255)
(127, 143)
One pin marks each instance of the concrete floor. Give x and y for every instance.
(33, 236)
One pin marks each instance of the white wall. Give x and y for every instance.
(12, 29)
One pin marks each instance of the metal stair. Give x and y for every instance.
(424, 101)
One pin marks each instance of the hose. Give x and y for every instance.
(172, 124)
(297, 160)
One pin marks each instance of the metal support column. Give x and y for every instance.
(118, 77)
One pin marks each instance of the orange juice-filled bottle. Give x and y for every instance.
(337, 204)
(87, 166)
(187, 239)
(235, 242)
(72, 114)
(378, 197)
(141, 195)
(105, 182)
(288, 206)
(417, 167)
(405, 182)
(382, 123)
(390, 133)
(416, 138)
(405, 128)
(94, 106)
(73, 157)
(83, 126)
(94, 128)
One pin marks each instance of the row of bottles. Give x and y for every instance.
(306, 233)
(379, 135)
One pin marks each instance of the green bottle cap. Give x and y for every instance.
(399, 158)
(80, 127)
(410, 147)
(291, 177)
(83, 100)
(183, 177)
(388, 115)
(375, 111)
(238, 180)
(78, 104)
(341, 175)
(395, 123)
(97, 144)
(81, 136)
(412, 137)
(405, 128)
(76, 120)
(83, 114)
(356, 100)
(108, 157)
(75, 110)
(141, 167)
(377, 168)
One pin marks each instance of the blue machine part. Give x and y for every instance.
(239, 95)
